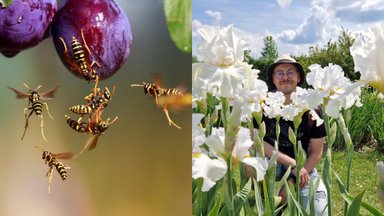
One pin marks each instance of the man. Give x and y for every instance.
(284, 75)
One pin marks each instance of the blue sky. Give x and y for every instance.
(294, 24)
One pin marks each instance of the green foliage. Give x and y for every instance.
(178, 14)
(269, 51)
(366, 125)
(336, 52)
(268, 55)
(195, 59)
(362, 178)
(5, 3)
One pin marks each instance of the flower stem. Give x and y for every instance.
(327, 177)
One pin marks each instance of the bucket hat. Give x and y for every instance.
(284, 59)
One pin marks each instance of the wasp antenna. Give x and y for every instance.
(38, 147)
(139, 85)
(113, 89)
(26, 86)
(108, 123)
(38, 87)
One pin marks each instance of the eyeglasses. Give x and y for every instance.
(280, 74)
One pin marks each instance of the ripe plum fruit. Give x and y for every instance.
(103, 31)
(24, 24)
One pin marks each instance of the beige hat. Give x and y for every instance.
(284, 59)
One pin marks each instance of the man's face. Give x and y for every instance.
(286, 77)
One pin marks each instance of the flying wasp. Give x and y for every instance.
(157, 92)
(51, 160)
(80, 63)
(93, 103)
(95, 126)
(36, 106)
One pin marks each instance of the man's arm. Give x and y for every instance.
(316, 151)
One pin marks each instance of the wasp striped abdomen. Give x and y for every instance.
(60, 169)
(171, 91)
(81, 109)
(78, 126)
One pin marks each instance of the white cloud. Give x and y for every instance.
(313, 28)
(354, 11)
(216, 15)
(373, 5)
(284, 3)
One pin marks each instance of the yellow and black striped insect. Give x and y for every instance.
(95, 126)
(51, 160)
(157, 92)
(93, 103)
(80, 63)
(36, 104)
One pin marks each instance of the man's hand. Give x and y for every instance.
(303, 175)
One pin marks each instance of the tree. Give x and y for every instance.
(268, 55)
(336, 52)
(269, 51)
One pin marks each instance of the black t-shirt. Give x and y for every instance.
(304, 133)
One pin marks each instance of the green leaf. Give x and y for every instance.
(216, 207)
(178, 14)
(293, 202)
(292, 136)
(355, 206)
(258, 199)
(332, 135)
(5, 3)
(349, 198)
(239, 199)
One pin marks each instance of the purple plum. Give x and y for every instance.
(102, 31)
(24, 24)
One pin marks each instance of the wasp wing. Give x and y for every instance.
(64, 155)
(95, 118)
(94, 143)
(91, 141)
(19, 94)
(49, 94)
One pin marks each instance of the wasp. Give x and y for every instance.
(157, 92)
(51, 160)
(93, 103)
(95, 126)
(35, 103)
(80, 63)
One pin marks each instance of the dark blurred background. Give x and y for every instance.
(141, 166)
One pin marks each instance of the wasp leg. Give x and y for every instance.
(91, 96)
(85, 43)
(46, 106)
(169, 119)
(41, 126)
(50, 174)
(95, 88)
(155, 96)
(95, 63)
(26, 120)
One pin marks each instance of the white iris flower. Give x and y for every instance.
(367, 52)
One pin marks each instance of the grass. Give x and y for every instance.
(363, 177)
